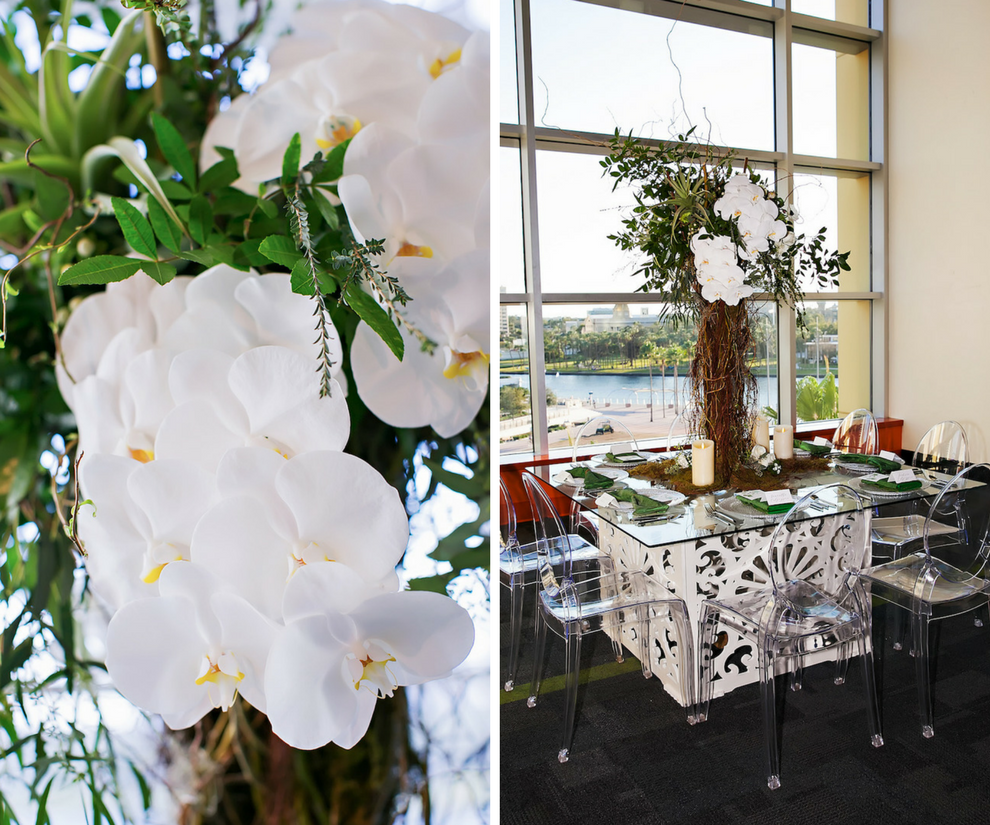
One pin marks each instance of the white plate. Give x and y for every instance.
(851, 468)
(671, 497)
(615, 475)
(604, 462)
(734, 507)
(857, 485)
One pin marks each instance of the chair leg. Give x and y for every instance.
(538, 649)
(685, 659)
(644, 638)
(768, 695)
(841, 663)
(982, 616)
(922, 667)
(797, 675)
(869, 678)
(707, 628)
(516, 598)
(573, 658)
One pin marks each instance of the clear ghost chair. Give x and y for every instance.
(944, 448)
(808, 602)
(518, 570)
(947, 577)
(685, 428)
(600, 430)
(573, 606)
(857, 433)
(604, 430)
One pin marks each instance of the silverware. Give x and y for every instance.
(723, 517)
(651, 519)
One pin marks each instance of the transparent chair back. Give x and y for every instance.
(944, 448)
(685, 428)
(857, 433)
(608, 431)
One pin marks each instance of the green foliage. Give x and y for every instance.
(676, 185)
(137, 231)
(817, 400)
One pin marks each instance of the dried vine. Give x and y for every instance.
(722, 386)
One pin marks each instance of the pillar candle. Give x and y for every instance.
(703, 463)
(761, 432)
(783, 441)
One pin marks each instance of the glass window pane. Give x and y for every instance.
(577, 212)
(515, 417)
(856, 12)
(599, 362)
(512, 272)
(839, 202)
(508, 107)
(833, 359)
(630, 80)
(831, 96)
(762, 358)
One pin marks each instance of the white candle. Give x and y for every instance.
(703, 463)
(783, 441)
(761, 433)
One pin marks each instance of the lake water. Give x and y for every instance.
(632, 388)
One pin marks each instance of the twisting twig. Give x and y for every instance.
(70, 526)
(299, 223)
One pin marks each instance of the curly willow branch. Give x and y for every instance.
(722, 386)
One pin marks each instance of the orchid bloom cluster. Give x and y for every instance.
(763, 459)
(409, 89)
(759, 230)
(240, 549)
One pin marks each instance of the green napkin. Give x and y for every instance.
(890, 486)
(884, 465)
(762, 506)
(622, 458)
(813, 449)
(592, 480)
(642, 505)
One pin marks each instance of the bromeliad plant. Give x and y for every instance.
(712, 239)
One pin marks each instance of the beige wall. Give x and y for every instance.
(939, 241)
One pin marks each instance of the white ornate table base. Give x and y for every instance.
(705, 568)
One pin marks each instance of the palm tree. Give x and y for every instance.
(650, 352)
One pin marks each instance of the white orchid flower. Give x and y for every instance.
(267, 397)
(279, 517)
(192, 649)
(714, 290)
(141, 518)
(120, 409)
(420, 198)
(443, 389)
(340, 653)
(741, 197)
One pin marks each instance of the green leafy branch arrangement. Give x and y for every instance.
(676, 186)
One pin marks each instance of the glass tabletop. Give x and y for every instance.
(719, 512)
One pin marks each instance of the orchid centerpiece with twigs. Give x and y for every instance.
(714, 237)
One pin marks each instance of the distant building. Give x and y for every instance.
(503, 317)
(619, 317)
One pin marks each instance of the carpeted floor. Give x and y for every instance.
(636, 761)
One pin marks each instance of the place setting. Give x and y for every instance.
(589, 479)
(642, 507)
(622, 457)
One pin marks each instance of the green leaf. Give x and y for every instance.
(166, 229)
(268, 207)
(102, 269)
(52, 196)
(210, 255)
(326, 209)
(174, 148)
(137, 231)
(302, 279)
(163, 273)
(42, 818)
(290, 161)
(249, 253)
(233, 202)
(176, 191)
(200, 219)
(371, 312)
(435, 584)
(333, 167)
(280, 249)
(220, 174)
(14, 660)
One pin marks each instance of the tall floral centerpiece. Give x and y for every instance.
(713, 239)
